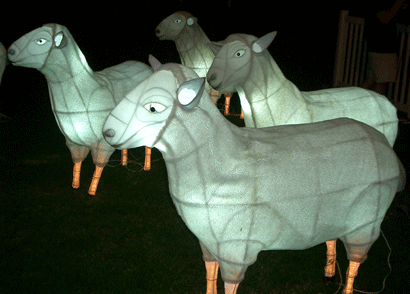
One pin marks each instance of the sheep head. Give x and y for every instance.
(172, 26)
(138, 120)
(233, 59)
(32, 49)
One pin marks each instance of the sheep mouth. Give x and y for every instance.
(216, 87)
(161, 36)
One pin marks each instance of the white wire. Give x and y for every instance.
(384, 280)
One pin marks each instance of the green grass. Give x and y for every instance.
(129, 238)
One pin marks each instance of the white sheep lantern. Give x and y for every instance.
(192, 45)
(269, 99)
(243, 190)
(80, 98)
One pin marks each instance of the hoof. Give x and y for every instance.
(329, 280)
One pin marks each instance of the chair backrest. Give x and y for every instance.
(350, 62)
(400, 91)
(351, 59)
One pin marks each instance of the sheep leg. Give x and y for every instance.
(76, 175)
(214, 95)
(78, 153)
(351, 273)
(95, 180)
(212, 268)
(227, 103)
(330, 268)
(124, 157)
(231, 288)
(147, 163)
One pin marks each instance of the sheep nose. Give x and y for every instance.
(109, 133)
(157, 32)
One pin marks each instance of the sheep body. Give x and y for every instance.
(243, 190)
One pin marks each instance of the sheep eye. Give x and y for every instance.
(41, 41)
(154, 107)
(177, 21)
(239, 53)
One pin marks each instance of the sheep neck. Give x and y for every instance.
(267, 91)
(206, 144)
(193, 50)
(70, 79)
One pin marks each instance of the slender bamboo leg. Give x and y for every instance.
(212, 268)
(231, 288)
(76, 175)
(330, 268)
(95, 180)
(350, 275)
(147, 164)
(124, 157)
(227, 103)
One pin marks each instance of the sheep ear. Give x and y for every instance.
(190, 93)
(60, 40)
(190, 21)
(263, 42)
(155, 64)
(215, 47)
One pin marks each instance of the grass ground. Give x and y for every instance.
(129, 239)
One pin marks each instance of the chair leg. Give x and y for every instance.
(212, 268)
(76, 175)
(350, 275)
(147, 163)
(330, 268)
(95, 180)
(231, 288)
(124, 157)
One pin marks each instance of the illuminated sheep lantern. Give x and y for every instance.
(80, 98)
(192, 46)
(269, 99)
(244, 190)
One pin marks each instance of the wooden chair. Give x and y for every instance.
(400, 91)
(351, 59)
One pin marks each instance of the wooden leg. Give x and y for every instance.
(350, 275)
(124, 157)
(231, 288)
(241, 117)
(76, 175)
(95, 180)
(212, 268)
(227, 103)
(330, 268)
(147, 164)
